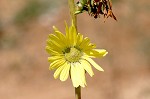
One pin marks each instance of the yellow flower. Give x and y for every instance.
(71, 54)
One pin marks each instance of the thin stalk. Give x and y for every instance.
(72, 12)
(74, 19)
(78, 92)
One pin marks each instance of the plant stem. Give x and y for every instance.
(74, 19)
(72, 12)
(78, 92)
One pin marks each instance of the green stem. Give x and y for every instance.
(72, 12)
(78, 92)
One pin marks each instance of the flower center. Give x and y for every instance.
(73, 54)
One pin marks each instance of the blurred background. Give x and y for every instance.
(24, 28)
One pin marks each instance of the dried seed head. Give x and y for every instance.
(95, 8)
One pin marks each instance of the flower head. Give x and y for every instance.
(71, 54)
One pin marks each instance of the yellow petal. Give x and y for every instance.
(58, 71)
(54, 47)
(79, 39)
(74, 75)
(53, 58)
(55, 41)
(67, 32)
(55, 29)
(56, 64)
(65, 72)
(87, 67)
(94, 64)
(61, 37)
(66, 29)
(99, 52)
(89, 47)
(71, 33)
(81, 74)
(74, 36)
(50, 51)
(85, 43)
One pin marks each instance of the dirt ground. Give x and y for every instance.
(24, 70)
